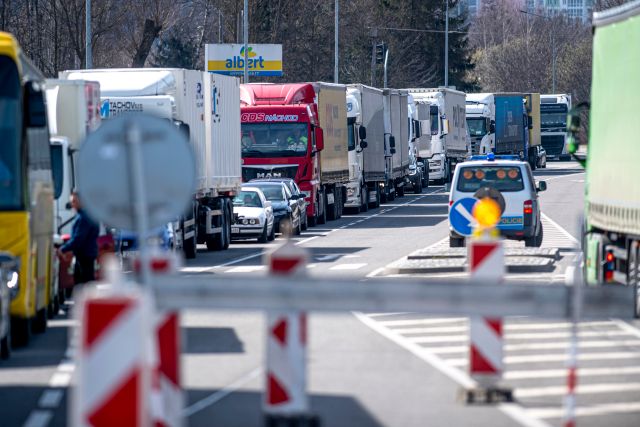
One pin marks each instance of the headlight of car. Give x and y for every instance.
(254, 221)
(245, 221)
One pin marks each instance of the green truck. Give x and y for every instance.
(611, 239)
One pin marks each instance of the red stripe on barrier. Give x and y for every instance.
(277, 393)
(280, 331)
(495, 324)
(170, 348)
(572, 380)
(100, 315)
(122, 407)
(480, 251)
(479, 364)
(284, 265)
(570, 423)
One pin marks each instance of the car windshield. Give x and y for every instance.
(274, 139)
(249, 199)
(11, 189)
(477, 127)
(272, 193)
(502, 178)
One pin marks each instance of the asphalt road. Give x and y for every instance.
(371, 369)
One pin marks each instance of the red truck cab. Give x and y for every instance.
(281, 137)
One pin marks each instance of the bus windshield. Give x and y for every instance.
(11, 175)
(477, 126)
(274, 139)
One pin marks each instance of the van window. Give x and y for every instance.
(502, 178)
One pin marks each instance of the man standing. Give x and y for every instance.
(83, 243)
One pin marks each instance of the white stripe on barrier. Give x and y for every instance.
(487, 342)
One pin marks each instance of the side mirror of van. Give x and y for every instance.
(362, 133)
(542, 186)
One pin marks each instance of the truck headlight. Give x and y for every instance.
(13, 284)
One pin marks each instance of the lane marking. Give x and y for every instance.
(354, 266)
(375, 272)
(38, 418)
(221, 394)
(410, 322)
(592, 410)
(562, 373)
(50, 399)
(60, 380)
(627, 327)
(553, 178)
(246, 269)
(541, 358)
(515, 411)
(561, 229)
(438, 330)
(581, 389)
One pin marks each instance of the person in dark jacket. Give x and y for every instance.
(83, 243)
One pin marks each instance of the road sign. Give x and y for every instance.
(106, 163)
(461, 218)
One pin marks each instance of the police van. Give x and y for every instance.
(513, 179)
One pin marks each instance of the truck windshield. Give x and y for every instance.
(477, 127)
(502, 178)
(11, 175)
(274, 139)
(553, 116)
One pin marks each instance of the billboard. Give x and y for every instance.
(263, 59)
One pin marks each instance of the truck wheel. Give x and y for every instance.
(332, 210)
(400, 191)
(364, 207)
(456, 242)
(633, 276)
(20, 331)
(190, 246)
(392, 194)
(322, 218)
(227, 226)
(339, 203)
(39, 325)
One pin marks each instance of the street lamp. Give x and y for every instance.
(553, 48)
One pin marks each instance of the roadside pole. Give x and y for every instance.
(286, 402)
(486, 340)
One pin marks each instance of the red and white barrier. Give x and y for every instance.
(286, 343)
(486, 263)
(113, 382)
(167, 395)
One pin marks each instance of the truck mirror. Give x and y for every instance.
(417, 129)
(319, 139)
(492, 126)
(364, 144)
(36, 109)
(393, 151)
(56, 169)
(445, 127)
(392, 143)
(362, 133)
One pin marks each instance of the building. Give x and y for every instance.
(578, 9)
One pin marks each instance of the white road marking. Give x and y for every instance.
(375, 272)
(411, 322)
(541, 358)
(385, 314)
(547, 326)
(354, 266)
(554, 335)
(562, 373)
(565, 345)
(569, 175)
(50, 399)
(627, 327)
(438, 330)
(246, 269)
(592, 410)
(220, 394)
(560, 229)
(38, 418)
(581, 389)
(60, 380)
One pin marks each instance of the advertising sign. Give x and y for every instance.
(263, 59)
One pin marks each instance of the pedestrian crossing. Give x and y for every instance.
(535, 354)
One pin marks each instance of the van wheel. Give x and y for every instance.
(5, 346)
(535, 241)
(20, 331)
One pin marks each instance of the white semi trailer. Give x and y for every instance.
(204, 106)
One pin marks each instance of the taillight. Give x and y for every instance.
(528, 207)
(609, 266)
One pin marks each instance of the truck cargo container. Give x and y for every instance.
(299, 131)
(365, 112)
(396, 144)
(206, 107)
(449, 144)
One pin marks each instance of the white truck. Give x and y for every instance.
(73, 111)
(481, 114)
(418, 172)
(365, 110)
(207, 108)
(449, 144)
(396, 143)
(553, 124)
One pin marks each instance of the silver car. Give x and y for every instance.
(253, 216)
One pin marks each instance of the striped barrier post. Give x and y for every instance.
(114, 373)
(486, 341)
(573, 278)
(286, 402)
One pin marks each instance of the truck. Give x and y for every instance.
(365, 110)
(611, 232)
(73, 111)
(498, 123)
(449, 144)
(298, 131)
(425, 111)
(553, 124)
(206, 107)
(532, 107)
(396, 143)
(418, 173)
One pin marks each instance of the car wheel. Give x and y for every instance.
(264, 236)
(298, 230)
(456, 242)
(272, 235)
(305, 224)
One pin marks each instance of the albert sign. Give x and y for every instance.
(263, 59)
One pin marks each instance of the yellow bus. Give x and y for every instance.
(26, 188)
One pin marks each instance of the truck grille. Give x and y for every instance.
(276, 171)
(553, 144)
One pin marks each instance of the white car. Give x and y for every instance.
(520, 219)
(253, 216)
